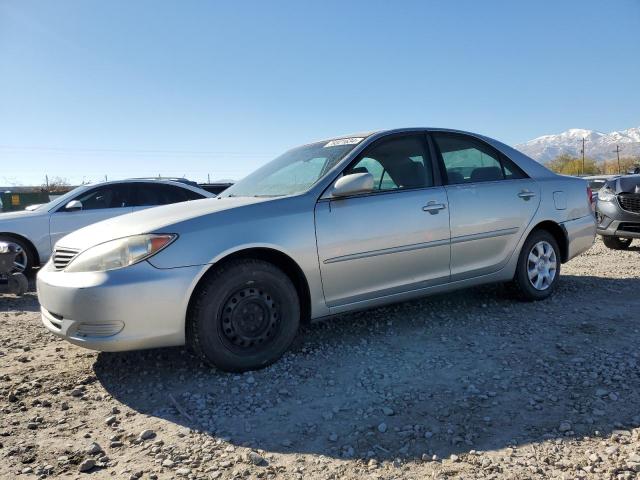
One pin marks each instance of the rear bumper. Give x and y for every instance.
(128, 309)
(581, 233)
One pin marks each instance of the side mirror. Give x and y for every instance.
(352, 184)
(73, 206)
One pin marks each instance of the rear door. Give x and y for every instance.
(99, 203)
(491, 203)
(391, 240)
(149, 194)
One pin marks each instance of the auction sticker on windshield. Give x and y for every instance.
(344, 141)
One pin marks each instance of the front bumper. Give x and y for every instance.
(613, 221)
(132, 308)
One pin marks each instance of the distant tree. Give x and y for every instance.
(57, 185)
(569, 165)
(626, 164)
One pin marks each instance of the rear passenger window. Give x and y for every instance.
(396, 163)
(467, 160)
(511, 170)
(149, 194)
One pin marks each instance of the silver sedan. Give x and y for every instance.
(334, 226)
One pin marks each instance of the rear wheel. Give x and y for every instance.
(538, 267)
(25, 260)
(245, 316)
(617, 243)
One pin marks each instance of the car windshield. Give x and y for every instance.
(294, 171)
(63, 198)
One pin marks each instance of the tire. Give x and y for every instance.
(244, 317)
(26, 258)
(617, 243)
(537, 279)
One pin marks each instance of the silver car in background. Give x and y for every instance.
(39, 227)
(329, 227)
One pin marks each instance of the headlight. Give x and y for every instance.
(119, 253)
(606, 195)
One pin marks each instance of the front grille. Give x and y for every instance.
(629, 227)
(62, 257)
(630, 202)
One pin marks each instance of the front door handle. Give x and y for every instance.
(433, 207)
(526, 194)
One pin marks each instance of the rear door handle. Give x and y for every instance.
(433, 207)
(526, 194)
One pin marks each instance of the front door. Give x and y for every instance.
(391, 240)
(491, 203)
(98, 204)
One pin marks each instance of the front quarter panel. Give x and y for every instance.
(32, 226)
(284, 224)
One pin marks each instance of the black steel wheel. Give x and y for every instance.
(250, 319)
(244, 316)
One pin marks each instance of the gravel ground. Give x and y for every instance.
(470, 384)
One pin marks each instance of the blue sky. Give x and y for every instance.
(138, 88)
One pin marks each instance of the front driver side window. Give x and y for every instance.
(109, 196)
(396, 163)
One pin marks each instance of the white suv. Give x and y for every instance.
(37, 230)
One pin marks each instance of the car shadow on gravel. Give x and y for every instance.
(467, 370)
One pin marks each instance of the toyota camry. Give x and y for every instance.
(333, 226)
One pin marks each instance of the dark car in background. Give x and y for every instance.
(618, 211)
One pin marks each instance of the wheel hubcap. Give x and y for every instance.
(20, 262)
(250, 318)
(542, 265)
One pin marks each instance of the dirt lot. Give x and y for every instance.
(464, 385)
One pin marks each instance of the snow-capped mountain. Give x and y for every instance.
(598, 145)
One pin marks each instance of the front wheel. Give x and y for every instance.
(538, 267)
(245, 316)
(617, 243)
(24, 260)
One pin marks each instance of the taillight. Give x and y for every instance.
(589, 195)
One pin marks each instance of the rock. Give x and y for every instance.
(387, 411)
(183, 472)
(286, 443)
(382, 428)
(87, 465)
(168, 463)
(333, 437)
(564, 426)
(146, 434)
(93, 448)
(110, 420)
(255, 458)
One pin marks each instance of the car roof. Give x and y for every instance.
(178, 182)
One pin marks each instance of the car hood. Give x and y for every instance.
(164, 219)
(626, 184)
(18, 215)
